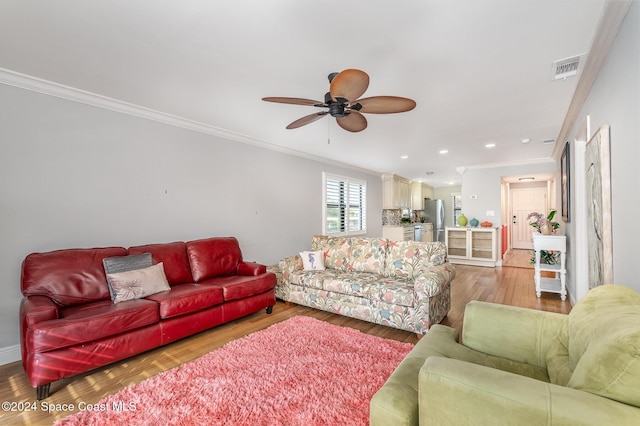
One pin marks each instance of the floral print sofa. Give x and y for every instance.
(400, 284)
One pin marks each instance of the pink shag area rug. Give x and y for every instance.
(298, 372)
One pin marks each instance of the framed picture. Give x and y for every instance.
(598, 195)
(565, 177)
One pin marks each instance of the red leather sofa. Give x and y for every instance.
(70, 325)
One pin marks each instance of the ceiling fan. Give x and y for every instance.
(343, 103)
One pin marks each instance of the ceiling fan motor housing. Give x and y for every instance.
(337, 107)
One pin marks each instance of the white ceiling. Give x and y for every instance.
(479, 70)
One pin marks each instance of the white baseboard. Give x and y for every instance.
(9, 354)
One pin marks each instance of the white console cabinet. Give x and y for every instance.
(472, 246)
(556, 284)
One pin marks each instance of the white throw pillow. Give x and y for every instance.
(312, 260)
(138, 283)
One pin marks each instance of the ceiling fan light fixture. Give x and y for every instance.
(344, 103)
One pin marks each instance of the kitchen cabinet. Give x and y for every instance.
(398, 233)
(420, 191)
(396, 192)
(472, 246)
(555, 284)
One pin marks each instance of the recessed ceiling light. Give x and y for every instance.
(526, 140)
(490, 145)
(404, 157)
(443, 151)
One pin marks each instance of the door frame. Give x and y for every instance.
(509, 183)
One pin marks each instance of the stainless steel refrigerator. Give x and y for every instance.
(434, 212)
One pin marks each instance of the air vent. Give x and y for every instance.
(548, 141)
(567, 67)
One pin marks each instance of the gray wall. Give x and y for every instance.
(615, 100)
(486, 184)
(73, 175)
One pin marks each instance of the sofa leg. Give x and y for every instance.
(269, 309)
(42, 391)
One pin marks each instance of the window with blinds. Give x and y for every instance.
(345, 205)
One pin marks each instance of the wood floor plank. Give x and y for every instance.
(505, 285)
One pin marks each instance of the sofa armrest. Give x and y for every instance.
(35, 309)
(251, 269)
(290, 264)
(518, 334)
(454, 392)
(430, 282)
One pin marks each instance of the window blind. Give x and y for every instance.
(344, 205)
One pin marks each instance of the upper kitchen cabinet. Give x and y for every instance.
(420, 191)
(396, 192)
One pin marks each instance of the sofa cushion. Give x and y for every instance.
(186, 298)
(138, 283)
(394, 290)
(352, 283)
(175, 259)
(312, 279)
(239, 287)
(213, 257)
(69, 277)
(113, 265)
(368, 255)
(409, 259)
(90, 322)
(603, 342)
(337, 251)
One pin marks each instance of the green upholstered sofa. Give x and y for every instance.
(522, 366)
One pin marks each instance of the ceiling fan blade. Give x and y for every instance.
(354, 122)
(307, 119)
(349, 84)
(386, 104)
(295, 101)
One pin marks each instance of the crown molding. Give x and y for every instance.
(35, 84)
(544, 160)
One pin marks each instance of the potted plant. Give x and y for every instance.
(545, 225)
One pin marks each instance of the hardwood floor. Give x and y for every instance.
(506, 285)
